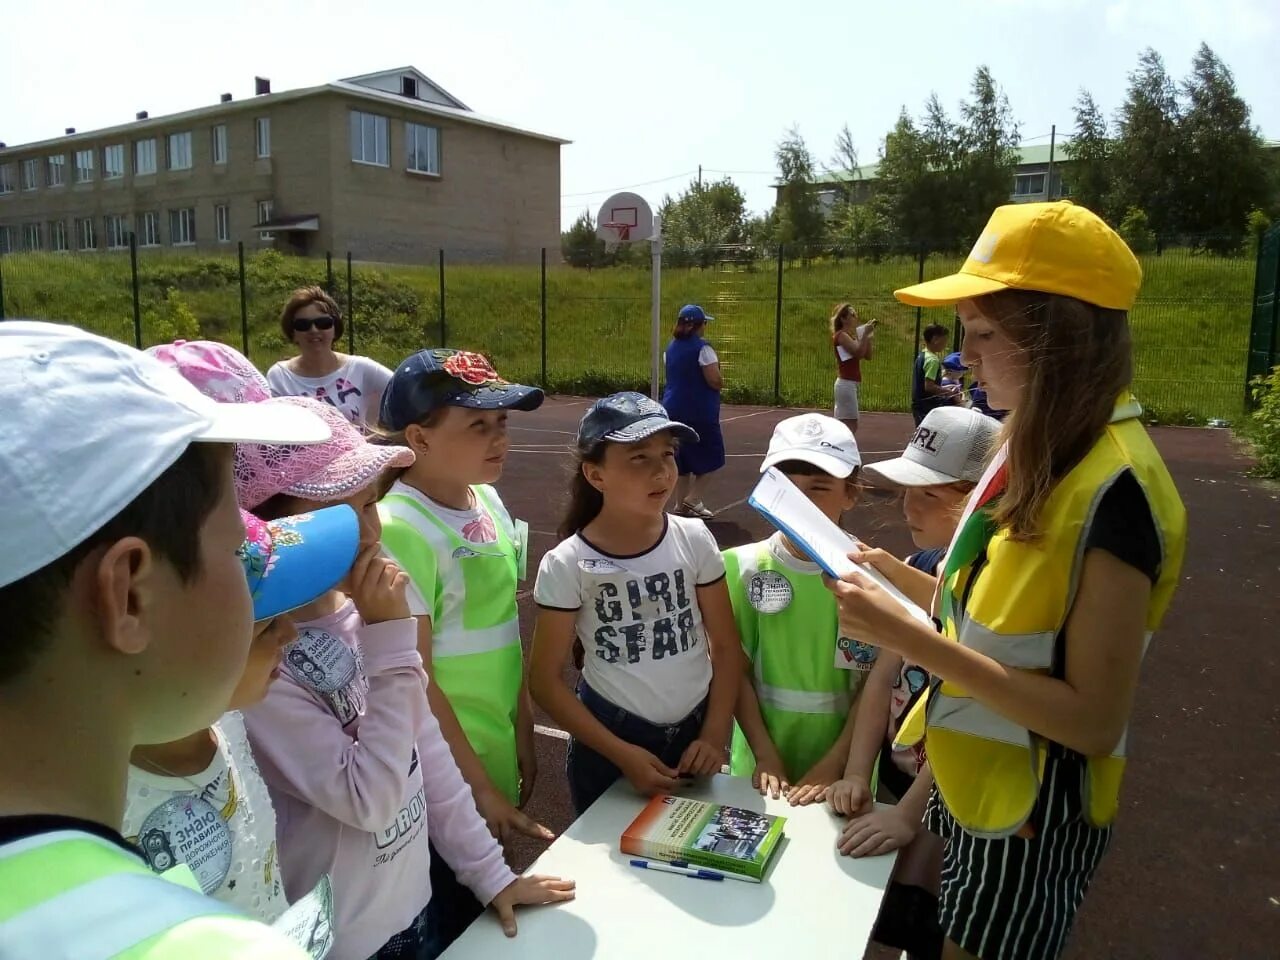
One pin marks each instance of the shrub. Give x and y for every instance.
(1264, 424)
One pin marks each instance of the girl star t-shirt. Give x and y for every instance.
(638, 617)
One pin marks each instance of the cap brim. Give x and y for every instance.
(948, 290)
(507, 396)
(901, 472)
(823, 461)
(264, 422)
(351, 472)
(311, 554)
(643, 429)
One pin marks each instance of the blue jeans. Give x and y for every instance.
(591, 774)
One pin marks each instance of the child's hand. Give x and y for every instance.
(529, 890)
(882, 560)
(701, 759)
(850, 797)
(505, 821)
(647, 773)
(813, 786)
(880, 831)
(378, 587)
(770, 777)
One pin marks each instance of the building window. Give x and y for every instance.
(369, 139)
(220, 143)
(262, 136)
(182, 227)
(58, 236)
(32, 238)
(1028, 184)
(8, 240)
(149, 230)
(180, 151)
(144, 157)
(222, 222)
(30, 174)
(6, 178)
(113, 162)
(423, 144)
(84, 166)
(264, 215)
(85, 236)
(117, 230)
(57, 170)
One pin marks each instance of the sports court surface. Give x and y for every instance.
(1193, 870)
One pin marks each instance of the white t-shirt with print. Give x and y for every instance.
(355, 388)
(638, 617)
(219, 822)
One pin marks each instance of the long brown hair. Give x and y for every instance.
(585, 501)
(840, 316)
(1079, 360)
(304, 297)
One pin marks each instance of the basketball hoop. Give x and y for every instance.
(614, 233)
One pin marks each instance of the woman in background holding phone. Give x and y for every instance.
(852, 343)
(312, 322)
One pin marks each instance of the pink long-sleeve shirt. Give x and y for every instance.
(359, 773)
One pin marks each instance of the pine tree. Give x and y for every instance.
(987, 140)
(1088, 168)
(800, 221)
(1148, 150)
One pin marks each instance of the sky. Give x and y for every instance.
(647, 91)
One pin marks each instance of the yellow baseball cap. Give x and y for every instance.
(1051, 247)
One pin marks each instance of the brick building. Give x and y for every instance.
(389, 166)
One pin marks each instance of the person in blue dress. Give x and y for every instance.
(692, 397)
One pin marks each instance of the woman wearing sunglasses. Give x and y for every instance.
(311, 321)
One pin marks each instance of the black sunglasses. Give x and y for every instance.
(303, 324)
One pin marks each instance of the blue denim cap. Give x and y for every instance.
(430, 379)
(628, 417)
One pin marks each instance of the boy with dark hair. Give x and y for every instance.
(927, 390)
(127, 621)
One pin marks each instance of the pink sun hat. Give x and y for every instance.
(345, 464)
(220, 372)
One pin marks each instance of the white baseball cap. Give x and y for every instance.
(89, 424)
(813, 438)
(951, 444)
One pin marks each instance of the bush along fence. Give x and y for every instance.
(587, 331)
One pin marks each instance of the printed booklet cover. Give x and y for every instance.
(737, 842)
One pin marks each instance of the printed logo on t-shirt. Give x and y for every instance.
(598, 566)
(853, 654)
(343, 390)
(325, 665)
(648, 616)
(188, 829)
(480, 530)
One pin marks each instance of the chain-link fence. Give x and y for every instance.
(587, 331)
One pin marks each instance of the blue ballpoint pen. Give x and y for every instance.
(679, 867)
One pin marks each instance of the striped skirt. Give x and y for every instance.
(1016, 898)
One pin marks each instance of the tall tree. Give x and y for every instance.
(702, 220)
(986, 140)
(579, 245)
(844, 163)
(1148, 148)
(1088, 167)
(1224, 174)
(906, 192)
(800, 221)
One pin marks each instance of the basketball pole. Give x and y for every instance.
(655, 342)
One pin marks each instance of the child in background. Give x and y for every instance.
(936, 472)
(644, 593)
(127, 620)
(364, 784)
(795, 707)
(210, 777)
(953, 372)
(444, 523)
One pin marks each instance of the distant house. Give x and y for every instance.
(389, 166)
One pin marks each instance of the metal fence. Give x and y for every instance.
(587, 331)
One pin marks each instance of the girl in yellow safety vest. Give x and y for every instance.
(1064, 563)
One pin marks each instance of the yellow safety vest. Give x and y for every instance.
(1010, 603)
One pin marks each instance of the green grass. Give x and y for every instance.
(1190, 325)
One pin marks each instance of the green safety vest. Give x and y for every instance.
(475, 625)
(69, 894)
(804, 697)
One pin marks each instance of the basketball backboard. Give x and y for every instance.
(624, 218)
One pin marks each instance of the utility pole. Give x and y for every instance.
(1048, 182)
(699, 176)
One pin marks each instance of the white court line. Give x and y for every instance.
(567, 433)
(550, 731)
(744, 416)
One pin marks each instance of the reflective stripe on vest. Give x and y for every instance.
(988, 769)
(457, 642)
(801, 701)
(103, 918)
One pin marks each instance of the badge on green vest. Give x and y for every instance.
(768, 591)
(853, 654)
